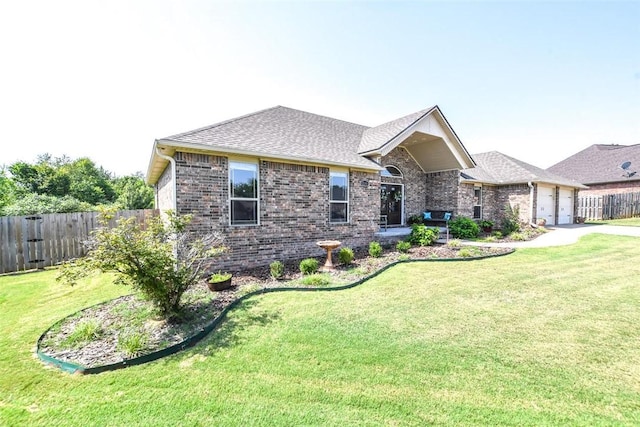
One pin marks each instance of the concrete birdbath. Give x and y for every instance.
(328, 245)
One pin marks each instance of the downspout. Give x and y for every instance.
(172, 161)
(531, 204)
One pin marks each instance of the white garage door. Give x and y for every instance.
(565, 206)
(546, 204)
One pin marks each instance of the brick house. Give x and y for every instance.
(498, 180)
(600, 168)
(276, 181)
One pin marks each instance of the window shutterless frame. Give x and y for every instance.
(244, 204)
(339, 197)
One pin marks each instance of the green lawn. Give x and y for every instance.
(541, 337)
(635, 222)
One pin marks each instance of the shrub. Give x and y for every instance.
(497, 234)
(219, 277)
(375, 250)
(316, 280)
(454, 243)
(423, 236)
(345, 256)
(464, 228)
(132, 343)
(308, 266)
(84, 332)
(414, 219)
(468, 252)
(511, 219)
(276, 268)
(403, 246)
(519, 236)
(160, 260)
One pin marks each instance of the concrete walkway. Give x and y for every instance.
(561, 235)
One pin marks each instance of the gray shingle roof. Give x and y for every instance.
(376, 137)
(288, 133)
(497, 168)
(600, 163)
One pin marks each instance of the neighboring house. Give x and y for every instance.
(277, 181)
(498, 180)
(600, 167)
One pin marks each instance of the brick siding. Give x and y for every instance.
(611, 188)
(293, 206)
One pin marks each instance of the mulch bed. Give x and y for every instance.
(201, 307)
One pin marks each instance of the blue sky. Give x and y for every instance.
(535, 80)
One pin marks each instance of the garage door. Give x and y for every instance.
(546, 204)
(565, 206)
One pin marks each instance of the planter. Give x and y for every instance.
(219, 285)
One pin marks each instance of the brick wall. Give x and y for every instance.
(497, 197)
(465, 200)
(611, 188)
(164, 190)
(294, 210)
(442, 190)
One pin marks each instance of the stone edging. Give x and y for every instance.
(191, 341)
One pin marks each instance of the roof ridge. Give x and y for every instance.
(323, 116)
(224, 122)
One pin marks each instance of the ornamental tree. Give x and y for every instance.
(160, 259)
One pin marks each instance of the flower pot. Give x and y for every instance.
(219, 286)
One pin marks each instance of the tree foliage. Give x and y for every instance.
(160, 261)
(65, 185)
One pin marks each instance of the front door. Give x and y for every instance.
(391, 203)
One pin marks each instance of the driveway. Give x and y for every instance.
(560, 235)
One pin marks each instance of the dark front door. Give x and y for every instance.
(391, 203)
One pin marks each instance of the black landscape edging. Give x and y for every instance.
(191, 341)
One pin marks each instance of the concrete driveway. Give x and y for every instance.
(560, 235)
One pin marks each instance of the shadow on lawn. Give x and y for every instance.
(228, 333)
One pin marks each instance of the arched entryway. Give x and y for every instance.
(392, 196)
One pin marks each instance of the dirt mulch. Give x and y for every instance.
(129, 316)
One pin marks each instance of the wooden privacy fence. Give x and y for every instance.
(609, 206)
(38, 241)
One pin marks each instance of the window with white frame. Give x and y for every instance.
(477, 202)
(243, 193)
(339, 197)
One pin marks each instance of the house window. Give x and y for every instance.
(477, 202)
(243, 192)
(391, 171)
(339, 197)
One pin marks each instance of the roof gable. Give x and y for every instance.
(600, 163)
(427, 136)
(499, 169)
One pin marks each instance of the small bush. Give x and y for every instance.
(511, 220)
(414, 219)
(464, 228)
(276, 268)
(345, 256)
(308, 266)
(519, 236)
(132, 343)
(454, 243)
(421, 235)
(219, 277)
(497, 234)
(316, 280)
(468, 252)
(375, 250)
(403, 246)
(84, 332)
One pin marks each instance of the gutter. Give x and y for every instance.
(531, 204)
(172, 161)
